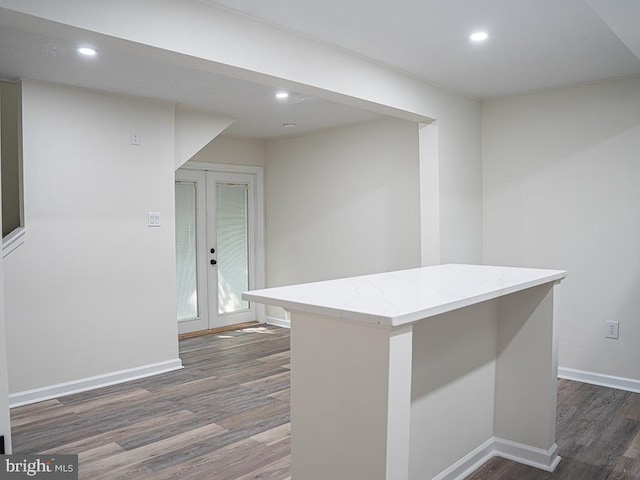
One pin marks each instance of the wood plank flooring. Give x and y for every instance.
(598, 436)
(225, 416)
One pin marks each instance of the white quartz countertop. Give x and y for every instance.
(405, 296)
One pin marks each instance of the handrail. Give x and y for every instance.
(12, 241)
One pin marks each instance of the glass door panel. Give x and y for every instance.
(186, 252)
(231, 211)
(191, 242)
(232, 231)
(215, 248)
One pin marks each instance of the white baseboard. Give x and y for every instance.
(546, 460)
(278, 322)
(469, 463)
(620, 383)
(90, 383)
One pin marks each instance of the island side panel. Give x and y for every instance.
(526, 376)
(350, 399)
(452, 397)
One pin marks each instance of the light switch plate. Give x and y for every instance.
(154, 219)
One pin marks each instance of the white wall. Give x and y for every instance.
(561, 190)
(232, 151)
(202, 37)
(92, 290)
(342, 202)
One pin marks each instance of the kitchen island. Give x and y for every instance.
(421, 374)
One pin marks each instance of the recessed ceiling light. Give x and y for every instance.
(282, 95)
(88, 51)
(289, 125)
(479, 36)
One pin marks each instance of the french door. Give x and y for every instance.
(215, 248)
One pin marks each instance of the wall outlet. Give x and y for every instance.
(612, 329)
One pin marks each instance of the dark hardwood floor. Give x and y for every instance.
(226, 417)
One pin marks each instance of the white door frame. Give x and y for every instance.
(258, 173)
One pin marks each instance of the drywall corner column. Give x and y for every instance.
(460, 180)
(5, 424)
(429, 194)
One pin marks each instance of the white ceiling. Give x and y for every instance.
(533, 45)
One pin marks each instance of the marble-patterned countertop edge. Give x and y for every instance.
(405, 296)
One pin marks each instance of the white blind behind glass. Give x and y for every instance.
(233, 247)
(186, 270)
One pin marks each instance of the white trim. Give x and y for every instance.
(546, 460)
(12, 241)
(222, 167)
(610, 381)
(469, 463)
(278, 322)
(90, 383)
